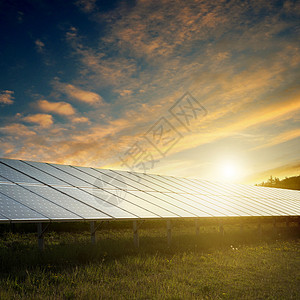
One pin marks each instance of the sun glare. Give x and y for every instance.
(229, 171)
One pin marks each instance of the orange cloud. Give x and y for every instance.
(7, 147)
(212, 132)
(79, 94)
(125, 93)
(44, 120)
(6, 97)
(80, 120)
(60, 108)
(17, 129)
(86, 6)
(39, 45)
(270, 113)
(281, 138)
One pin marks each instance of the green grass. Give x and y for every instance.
(239, 265)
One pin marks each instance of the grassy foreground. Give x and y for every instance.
(238, 266)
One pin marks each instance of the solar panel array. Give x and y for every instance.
(43, 192)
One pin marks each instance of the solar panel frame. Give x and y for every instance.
(150, 185)
(187, 204)
(77, 206)
(107, 177)
(53, 188)
(242, 204)
(158, 192)
(114, 210)
(32, 172)
(186, 196)
(91, 172)
(266, 205)
(85, 184)
(264, 193)
(67, 184)
(159, 210)
(195, 201)
(256, 197)
(50, 169)
(4, 219)
(71, 193)
(146, 192)
(221, 194)
(281, 203)
(207, 198)
(13, 175)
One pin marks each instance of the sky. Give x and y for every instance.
(206, 89)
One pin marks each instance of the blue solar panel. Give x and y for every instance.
(32, 191)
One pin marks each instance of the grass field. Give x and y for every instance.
(240, 265)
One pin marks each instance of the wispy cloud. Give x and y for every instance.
(39, 46)
(44, 120)
(16, 129)
(80, 120)
(6, 97)
(221, 129)
(96, 64)
(243, 69)
(76, 93)
(280, 138)
(86, 5)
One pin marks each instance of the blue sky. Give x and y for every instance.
(93, 82)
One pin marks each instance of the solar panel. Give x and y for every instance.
(269, 205)
(3, 180)
(31, 171)
(129, 205)
(43, 192)
(104, 201)
(15, 211)
(186, 204)
(136, 191)
(143, 179)
(273, 202)
(112, 181)
(34, 201)
(78, 207)
(118, 178)
(222, 208)
(103, 179)
(59, 174)
(13, 175)
(163, 200)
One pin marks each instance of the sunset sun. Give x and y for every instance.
(229, 170)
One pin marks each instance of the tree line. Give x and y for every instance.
(292, 183)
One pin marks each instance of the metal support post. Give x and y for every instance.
(93, 232)
(242, 228)
(40, 236)
(287, 222)
(197, 227)
(274, 226)
(221, 228)
(259, 229)
(169, 232)
(136, 239)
